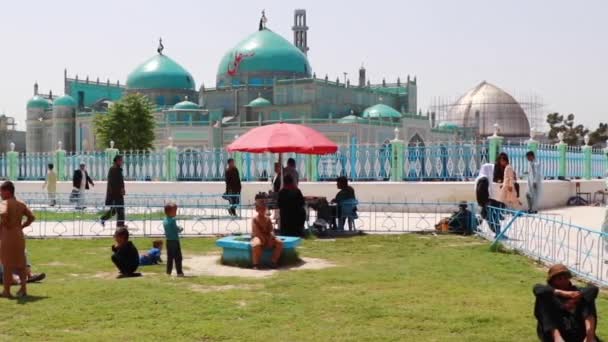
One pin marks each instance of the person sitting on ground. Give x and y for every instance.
(174, 249)
(563, 311)
(346, 193)
(152, 256)
(31, 277)
(262, 236)
(462, 222)
(292, 213)
(125, 255)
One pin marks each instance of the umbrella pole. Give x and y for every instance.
(281, 165)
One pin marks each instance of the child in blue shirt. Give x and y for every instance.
(174, 251)
(152, 257)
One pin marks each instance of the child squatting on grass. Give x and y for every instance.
(172, 230)
(263, 237)
(125, 256)
(12, 245)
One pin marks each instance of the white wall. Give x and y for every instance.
(555, 193)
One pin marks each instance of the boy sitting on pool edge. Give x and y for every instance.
(262, 236)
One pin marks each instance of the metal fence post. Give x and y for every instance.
(561, 149)
(495, 144)
(311, 167)
(586, 158)
(171, 162)
(396, 158)
(59, 161)
(12, 167)
(110, 154)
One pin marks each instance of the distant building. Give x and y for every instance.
(264, 79)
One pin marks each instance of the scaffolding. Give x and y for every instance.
(447, 109)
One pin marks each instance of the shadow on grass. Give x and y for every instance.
(30, 299)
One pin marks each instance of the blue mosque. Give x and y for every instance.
(263, 79)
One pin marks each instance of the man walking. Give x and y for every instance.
(80, 182)
(115, 193)
(51, 185)
(534, 183)
(233, 186)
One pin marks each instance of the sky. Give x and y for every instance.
(557, 50)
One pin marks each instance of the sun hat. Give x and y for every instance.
(558, 269)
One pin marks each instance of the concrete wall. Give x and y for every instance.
(555, 193)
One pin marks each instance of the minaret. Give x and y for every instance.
(362, 77)
(300, 30)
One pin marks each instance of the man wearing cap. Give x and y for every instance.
(80, 182)
(563, 311)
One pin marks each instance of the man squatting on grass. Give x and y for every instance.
(564, 312)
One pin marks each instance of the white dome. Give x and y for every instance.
(495, 106)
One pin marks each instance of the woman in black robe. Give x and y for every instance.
(291, 208)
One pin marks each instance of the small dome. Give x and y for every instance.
(264, 52)
(65, 101)
(350, 119)
(186, 105)
(448, 126)
(160, 72)
(38, 102)
(259, 102)
(381, 111)
(495, 106)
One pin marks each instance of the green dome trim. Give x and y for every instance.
(38, 102)
(186, 105)
(351, 119)
(264, 51)
(65, 101)
(160, 72)
(259, 102)
(381, 111)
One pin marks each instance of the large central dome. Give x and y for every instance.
(160, 72)
(495, 106)
(261, 57)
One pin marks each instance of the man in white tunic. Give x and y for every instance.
(534, 183)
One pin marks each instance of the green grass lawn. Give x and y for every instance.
(385, 288)
(77, 215)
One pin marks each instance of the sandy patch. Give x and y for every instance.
(209, 265)
(55, 264)
(114, 275)
(219, 288)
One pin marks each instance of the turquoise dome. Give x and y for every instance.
(186, 105)
(259, 102)
(381, 111)
(264, 51)
(38, 102)
(448, 126)
(65, 101)
(160, 72)
(351, 119)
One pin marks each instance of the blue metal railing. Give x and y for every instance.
(453, 161)
(551, 240)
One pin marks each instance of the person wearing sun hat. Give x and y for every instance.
(563, 311)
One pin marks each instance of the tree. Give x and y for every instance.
(129, 123)
(573, 134)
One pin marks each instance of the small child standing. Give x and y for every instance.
(152, 257)
(174, 251)
(125, 255)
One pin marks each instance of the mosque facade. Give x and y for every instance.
(264, 79)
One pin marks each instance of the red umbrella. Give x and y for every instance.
(283, 138)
